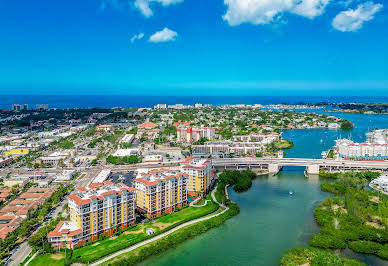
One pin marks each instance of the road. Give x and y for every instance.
(24, 249)
(163, 234)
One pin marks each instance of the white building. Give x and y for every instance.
(160, 106)
(375, 148)
(102, 176)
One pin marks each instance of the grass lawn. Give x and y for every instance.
(105, 247)
(130, 237)
(48, 260)
(283, 144)
(189, 213)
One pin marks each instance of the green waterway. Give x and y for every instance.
(271, 220)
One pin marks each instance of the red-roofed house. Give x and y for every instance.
(147, 125)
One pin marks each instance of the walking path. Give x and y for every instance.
(33, 257)
(197, 206)
(164, 234)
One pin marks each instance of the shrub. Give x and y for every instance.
(333, 241)
(383, 252)
(367, 247)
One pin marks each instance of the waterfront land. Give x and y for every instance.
(356, 217)
(358, 108)
(122, 141)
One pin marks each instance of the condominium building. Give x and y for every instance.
(42, 107)
(187, 133)
(19, 107)
(160, 106)
(100, 208)
(375, 147)
(262, 138)
(241, 145)
(159, 191)
(199, 171)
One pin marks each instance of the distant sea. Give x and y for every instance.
(109, 101)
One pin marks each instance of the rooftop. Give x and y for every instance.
(98, 190)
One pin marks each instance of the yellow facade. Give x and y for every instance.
(161, 191)
(17, 152)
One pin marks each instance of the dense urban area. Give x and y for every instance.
(116, 186)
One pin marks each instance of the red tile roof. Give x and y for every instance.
(147, 125)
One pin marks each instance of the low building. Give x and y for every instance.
(147, 125)
(16, 181)
(102, 176)
(53, 158)
(16, 211)
(65, 176)
(100, 208)
(153, 158)
(15, 152)
(160, 191)
(128, 138)
(126, 152)
(105, 128)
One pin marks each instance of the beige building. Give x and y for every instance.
(159, 191)
(200, 175)
(100, 208)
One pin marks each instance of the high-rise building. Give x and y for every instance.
(160, 106)
(100, 208)
(19, 107)
(200, 175)
(42, 107)
(159, 191)
(187, 133)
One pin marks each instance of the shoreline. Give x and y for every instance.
(206, 221)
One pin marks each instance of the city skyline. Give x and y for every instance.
(174, 47)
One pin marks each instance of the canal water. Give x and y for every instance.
(271, 220)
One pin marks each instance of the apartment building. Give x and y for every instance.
(262, 138)
(187, 133)
(160, 190)
(200, 175)
(375, 147)
(100, 208)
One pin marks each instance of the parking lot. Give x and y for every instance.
(125, 178)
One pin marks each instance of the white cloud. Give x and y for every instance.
(353, 19)
(310, 8)
(164, 35)
(137, 37)
(266, 11)
(145, 9)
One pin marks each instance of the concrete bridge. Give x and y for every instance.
(313, 166)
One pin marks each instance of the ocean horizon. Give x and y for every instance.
(137, 101)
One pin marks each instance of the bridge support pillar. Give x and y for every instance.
(273, 169)
(312, 169)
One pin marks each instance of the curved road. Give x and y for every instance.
(163, 234)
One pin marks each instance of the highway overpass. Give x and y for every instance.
(313, 166)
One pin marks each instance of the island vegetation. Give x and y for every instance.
(240, 180)
(356, 217)
(346, 125)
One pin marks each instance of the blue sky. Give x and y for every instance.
(194, 47)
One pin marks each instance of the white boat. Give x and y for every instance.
(290, 192)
